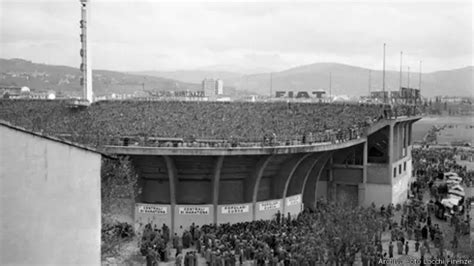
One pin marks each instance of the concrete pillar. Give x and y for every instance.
(400, 139)
(395, 151)
(365, 159)
(362, 186)
(390, 152)
(253, 181)
(173, 181)
(405, 126)
(396, 146)
(215, 185)
(409, 133)
(331, 183)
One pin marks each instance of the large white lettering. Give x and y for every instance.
(300, 94)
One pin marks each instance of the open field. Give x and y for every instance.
(458, 132)
(464, 133)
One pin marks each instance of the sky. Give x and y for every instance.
(244, 36)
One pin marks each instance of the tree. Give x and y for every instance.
(119, 181)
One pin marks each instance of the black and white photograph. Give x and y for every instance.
(223, 133)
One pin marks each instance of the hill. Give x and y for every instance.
(66, 80)
(354, 81)
(191, 76)
(346, 79)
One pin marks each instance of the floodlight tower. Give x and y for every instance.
(86, 70)
(383, 76)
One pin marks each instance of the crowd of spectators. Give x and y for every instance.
(234, 123)
(430, 168)
(320, 236)
(325, 236)
(332, 234)
(431, 163)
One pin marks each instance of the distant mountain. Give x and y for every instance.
(192, 76)
(224, 72)
(64, 79)
(346, 80)
(456, 82)
(354, 81)
(241, 69)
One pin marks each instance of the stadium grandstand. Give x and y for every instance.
(195, 124)
(219, 162)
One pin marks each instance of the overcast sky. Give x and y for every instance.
(159, 35)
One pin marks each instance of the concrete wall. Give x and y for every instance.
(378, 194)
(265, 188)
(348, 175)
(400, 183)
(194, 192)
(155, 191)
(322, 190)
(153, 179)
(226, 213)
(235, 170)
(378, 173)
(194, 178)
(231, 191)
(349, 194)
(50, 212)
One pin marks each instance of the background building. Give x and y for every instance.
(219, 87)
(209, 87)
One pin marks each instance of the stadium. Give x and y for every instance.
(267, 170)
(215, 162)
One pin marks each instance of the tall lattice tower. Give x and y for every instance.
(86, 70)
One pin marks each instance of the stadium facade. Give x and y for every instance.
(203, 185)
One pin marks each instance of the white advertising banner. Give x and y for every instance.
(269, 205)
(150, 208)
(294, 200)
(230, 209)
(194, 210)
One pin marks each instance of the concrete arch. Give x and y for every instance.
(286, 172)
(320, 170)
(324, 157)
(293, 172)
(253, 181)
(173, 181)
(297, 182)
(288, 179)
(309, 185)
